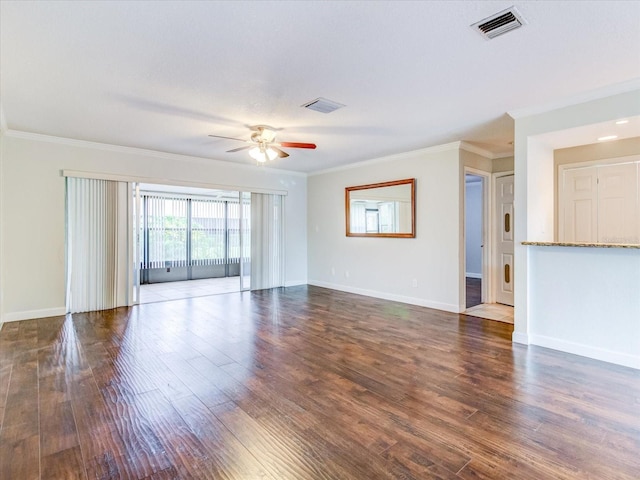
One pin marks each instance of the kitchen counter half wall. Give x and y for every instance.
(590, 245)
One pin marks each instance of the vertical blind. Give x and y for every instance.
(240, 227)
(208, 232)
(267, 241)
(357, 222)
(165, 230)
(181, 232)
(97, 238)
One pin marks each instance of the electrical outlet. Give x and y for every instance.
(414, 283)
(333, 270)
(346, 273)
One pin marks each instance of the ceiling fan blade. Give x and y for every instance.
(228, 138)
(281, 153)
(239, 148)
(296, 145)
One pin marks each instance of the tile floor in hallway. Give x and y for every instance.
(489, 311)
(492, 311)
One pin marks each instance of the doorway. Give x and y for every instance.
(191, 242)
(123, 234)
(484, 246)
(474, 228)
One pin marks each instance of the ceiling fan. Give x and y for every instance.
(262, 145)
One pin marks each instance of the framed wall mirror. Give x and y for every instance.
(381, 209)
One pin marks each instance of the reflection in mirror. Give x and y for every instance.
(381, 209)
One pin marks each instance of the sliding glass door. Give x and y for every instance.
(135, 241)
(245, 241)
(185, 236)
(158, 233)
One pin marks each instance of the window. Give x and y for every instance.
(182, 231)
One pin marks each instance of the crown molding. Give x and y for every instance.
(390, 158)
(608, 91)
(38, 137)
(445, 147)
(468, 147)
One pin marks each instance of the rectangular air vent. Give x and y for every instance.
(323, 105)
(501, 22)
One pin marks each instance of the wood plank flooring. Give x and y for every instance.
(474, 291)
(304, 383)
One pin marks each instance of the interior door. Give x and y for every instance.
(617, 203)
(579, 200)
(504, 244)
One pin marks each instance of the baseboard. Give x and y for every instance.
(30, 314)
(473, 275)
(517, 337)
(624, 359)
(294, 283)
(447, 307)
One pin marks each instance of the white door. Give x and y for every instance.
(617, 203)
(600, 204)
(579, 201)
(504, 244)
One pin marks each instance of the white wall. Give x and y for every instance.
(473, 228)
(387, 267)
(33, 213)
(1, 209)
(540, 184)
(534, 220)
(587, 302)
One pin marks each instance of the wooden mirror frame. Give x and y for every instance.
(347, 204)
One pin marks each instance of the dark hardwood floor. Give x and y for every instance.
(304, 383)
(474, 291)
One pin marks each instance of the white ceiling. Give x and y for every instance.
(163, 75)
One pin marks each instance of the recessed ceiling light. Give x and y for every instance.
(622, 122)
(607, 137)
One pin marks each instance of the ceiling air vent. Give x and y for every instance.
(323, 105)
(501, 22)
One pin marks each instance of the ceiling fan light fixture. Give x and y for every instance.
(261, 154)
(262, 146)
(268, 135)
(258, 155)
(271, 153)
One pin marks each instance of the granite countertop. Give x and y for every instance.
(592, 245)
